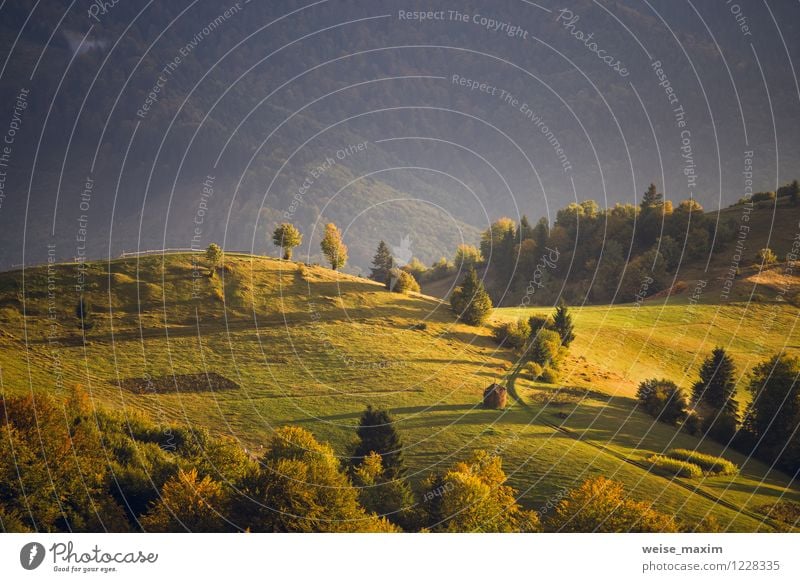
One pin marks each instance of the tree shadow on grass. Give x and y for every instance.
(402, 410)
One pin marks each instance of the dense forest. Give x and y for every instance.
(604, 255)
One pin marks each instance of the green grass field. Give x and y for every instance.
(312, 347)
(619, 346)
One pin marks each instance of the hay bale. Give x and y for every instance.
(495, 396)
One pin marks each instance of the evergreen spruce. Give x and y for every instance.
(714, 396)
(652, 198)
(525, 230)
(381, 264)
(562, 323)
(717, 385)
(377, 434)
(470, 301)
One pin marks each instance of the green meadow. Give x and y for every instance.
(312, 347)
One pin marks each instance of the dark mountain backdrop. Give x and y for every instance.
(149, 101)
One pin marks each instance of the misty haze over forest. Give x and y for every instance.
(182, 123)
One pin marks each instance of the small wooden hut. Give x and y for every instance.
(495, 396)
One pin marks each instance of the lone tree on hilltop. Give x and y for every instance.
(470, 300)
(286, 236)
(333, 248)
(376, 434)
(382, 264)
(214, 257)
(562, 323)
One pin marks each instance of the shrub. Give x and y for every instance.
(534, 370)
(762, 196)
(512, 334)
(785, 511)
(709, 524)
(417, 269)
(673, 467)
(402, 282)
(549, 375)
(767, 256)
(439, 270)
(546, 348)
(663, 400)
(708, 463)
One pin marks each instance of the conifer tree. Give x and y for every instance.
(381, 264)
(717, 385)
(377, 434)
(714, 395)
(652, 198)
(562, 323)
(525, 230)
(470, 301)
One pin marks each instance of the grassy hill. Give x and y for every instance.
(311, 347)
(623, 344)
